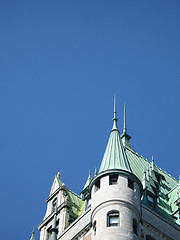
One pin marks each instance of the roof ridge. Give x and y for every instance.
(172, 189)
(139, 155)
(74, 193)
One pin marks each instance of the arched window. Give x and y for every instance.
(113, 219)
(135, 226)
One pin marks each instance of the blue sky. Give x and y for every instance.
(60, 64)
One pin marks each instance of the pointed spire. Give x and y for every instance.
(95, 172)
(32, 236)
(147, 173)
(88, 180)
(152, 163)
(115, 119)
(124, 130)
(115, 156)
(144, 175)
(125, 137)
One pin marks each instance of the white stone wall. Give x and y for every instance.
(118, 197)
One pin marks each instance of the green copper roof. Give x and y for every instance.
(115, 156)
(167, 187)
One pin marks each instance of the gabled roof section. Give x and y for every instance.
(166, 186)
(115, 156)
(56, 184)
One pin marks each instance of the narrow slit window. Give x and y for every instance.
(130, 183)
(94, 227)
(149, 238)
(135, 226)
(113, 178)
(97, 185)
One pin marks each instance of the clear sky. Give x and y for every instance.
(60, 64)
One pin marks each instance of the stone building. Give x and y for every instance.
(129, 198)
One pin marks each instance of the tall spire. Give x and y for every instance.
(115, 119)
(32, 236)
(124, 130)
(115, 156)
(125, 137)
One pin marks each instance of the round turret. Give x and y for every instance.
(115, 194)
(115, 206)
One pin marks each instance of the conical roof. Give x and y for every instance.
(115, 156)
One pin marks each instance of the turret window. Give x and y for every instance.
(94, 227)
(149, 238)
(113, 219)
(113, 178)
(130, 183)
(97, 185)
(135, 226)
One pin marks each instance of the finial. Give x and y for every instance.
(32, 236)
(152, 164)
(95, 172)
(114, 119)
(144, 175)
(89, 173)
(124, 130)
(148, 173)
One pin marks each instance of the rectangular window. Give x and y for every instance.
(130, 183)
(113, 178)
(151, 200)
(97, 185)
(113, 219)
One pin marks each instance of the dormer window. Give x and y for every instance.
(151, 200)
(113, 178)
(131, 184)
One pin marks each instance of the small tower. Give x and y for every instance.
(57, 214)
(115, 193)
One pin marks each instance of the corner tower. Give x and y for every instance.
(115, 194)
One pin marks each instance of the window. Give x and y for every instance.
(149, 238)
(113, 178)
(113, 219)
(54, 203)
(97, 185)
(135, 226)
(94, 227)
(151, 200)
(130, 183)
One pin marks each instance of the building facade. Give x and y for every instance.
(130, 198)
